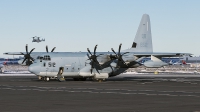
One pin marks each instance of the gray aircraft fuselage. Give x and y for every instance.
(76, 65)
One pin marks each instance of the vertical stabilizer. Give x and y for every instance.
(143, 39)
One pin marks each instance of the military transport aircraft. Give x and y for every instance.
(37, 39)
(96, 65)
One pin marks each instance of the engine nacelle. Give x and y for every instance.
(101, 76)
(154, 64)
(113, 64)
(129, 58)
(85, 72)
(103, 59)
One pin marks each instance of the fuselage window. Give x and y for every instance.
(47, 57)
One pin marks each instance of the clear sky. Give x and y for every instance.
(75, 25)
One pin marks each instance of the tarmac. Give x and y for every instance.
(117, 94)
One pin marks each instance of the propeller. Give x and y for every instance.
(27, 56)
(118, 55)
(93, 59)
(51, 50)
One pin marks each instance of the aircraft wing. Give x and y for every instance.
(160, 54)
(13, 53)
(19, 53)
(33, 54)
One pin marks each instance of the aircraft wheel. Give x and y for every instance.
(100, 80)
(47, 78)
(40, 77)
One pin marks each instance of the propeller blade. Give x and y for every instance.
(88, 56)
(47, 49)
(111, 68)
(89, 51)
(97, 70)
(24, 60)
(91, 70)
(113, 51)
(26, 48)
(31, 59)
(122, 60)
(92, 64)
(95, 48)
(119, 48)
(53, 49)
(31, 51)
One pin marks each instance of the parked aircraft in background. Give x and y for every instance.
(37, 39)
(180, 63)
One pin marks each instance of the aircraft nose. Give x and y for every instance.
(32, 68)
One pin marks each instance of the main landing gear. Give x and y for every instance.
(44, 78)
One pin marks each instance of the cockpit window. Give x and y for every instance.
(47, 57)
